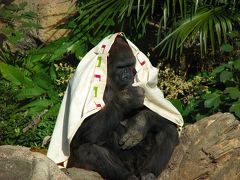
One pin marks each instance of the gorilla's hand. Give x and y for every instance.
(130, 98)
(137, 129)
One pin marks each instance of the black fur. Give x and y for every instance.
(124, 140)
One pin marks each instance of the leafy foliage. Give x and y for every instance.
(176, 87)
(13, 122)
(36, 79)
(205, 23)
(121, 13)
(178, 23)
(223, 93)
(37, 88)
(13, 14)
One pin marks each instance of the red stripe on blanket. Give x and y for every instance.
(98, 76)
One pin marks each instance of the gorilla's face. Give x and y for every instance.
(121, 65)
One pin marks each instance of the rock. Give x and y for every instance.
(20, 163)
(208, 149)
(81, 174)
(49, 15)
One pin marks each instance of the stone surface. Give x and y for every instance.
(19, 163)
(81, 174)
(49, 15)
(209, 149)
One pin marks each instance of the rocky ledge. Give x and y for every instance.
(208, 149)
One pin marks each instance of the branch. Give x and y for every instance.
(35, 121)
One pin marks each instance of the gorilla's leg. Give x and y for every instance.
(99, 159)
(165, 141)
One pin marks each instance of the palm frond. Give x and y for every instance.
(95, 14)
(203, 27)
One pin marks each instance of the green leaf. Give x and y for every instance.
(29, 15)
(53, 74)
(212, 100)
(226, 48)
(59, 52)
(37, 57)
(71, 25)
(30, 25)
(200, 24)
(189, 108)
(235, 108)
(30, 92)
(218, 70)
(211, 33)
(22, 5)
(218, 30)
(39, 102)
(79, 48)
(14, 74)
(12, 35)
(53, 111)
(233, 92)
(236, 64)
(43, 80)
(35, 110)
(13, 7)
(177, 103)
(39, 68)
(53, 95)
(233, 34)
(225, 76)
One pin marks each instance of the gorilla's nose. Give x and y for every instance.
(127, 76)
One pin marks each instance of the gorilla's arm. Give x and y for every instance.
(142, 123)
(165, 139)
(99, 126)
(95, 128)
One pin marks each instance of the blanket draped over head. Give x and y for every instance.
(84, 95)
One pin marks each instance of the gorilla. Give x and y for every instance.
(125, 139)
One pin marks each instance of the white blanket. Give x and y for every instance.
(84, 95)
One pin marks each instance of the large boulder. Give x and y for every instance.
(20, 163)
(49, 15)
(81, 174)
(209, 149)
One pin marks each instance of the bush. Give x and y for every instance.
(176, 87)
(217, 91)
(30, 101)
